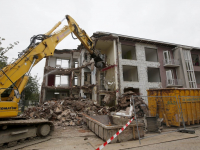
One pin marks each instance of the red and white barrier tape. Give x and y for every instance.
(114, 136)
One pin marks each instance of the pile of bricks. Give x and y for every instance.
(141, 107)
(65, 112)
(70, 112)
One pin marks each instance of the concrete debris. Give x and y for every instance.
(107, 99)
(66, 112)
(70, 112)
(141, 107)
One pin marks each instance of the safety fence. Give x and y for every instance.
(175, 110)
(172, 110)
(189, 109)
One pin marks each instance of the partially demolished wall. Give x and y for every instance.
(64, 76)
(132, 64)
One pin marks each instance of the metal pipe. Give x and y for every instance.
(31, 67)
(63, 19)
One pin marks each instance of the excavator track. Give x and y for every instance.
(14, 131)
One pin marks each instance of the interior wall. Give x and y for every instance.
(110, 73)
(52, 62)
(49, 95)
(52, 59)
(107, 48)
(79, 83)
(51, 80)
(135, 90)
(87, 78)
(73, 63)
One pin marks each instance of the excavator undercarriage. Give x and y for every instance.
(14, 130)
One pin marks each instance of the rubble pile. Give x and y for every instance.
(141, 107)
(66, 112)
(70, 112)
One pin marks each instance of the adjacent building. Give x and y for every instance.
(132, 64)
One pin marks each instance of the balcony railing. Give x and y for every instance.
(174, 83)
(171, 63)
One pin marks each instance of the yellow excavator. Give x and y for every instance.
(13, 128)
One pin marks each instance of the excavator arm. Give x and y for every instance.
(18, 72)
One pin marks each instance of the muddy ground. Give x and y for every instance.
(80, 138)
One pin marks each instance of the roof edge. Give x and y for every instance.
(148, 40)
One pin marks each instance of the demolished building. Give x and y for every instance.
(132, 64)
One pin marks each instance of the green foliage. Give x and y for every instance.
(31, 90)
(4, 59)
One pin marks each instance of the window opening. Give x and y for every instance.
(130, 73)
(167, 57)
(76, 64)
(153, 74)
(195, 59)
(170, 77)
(151, 54)
(62, 63)
(61, 80)
(75, 80)
(128, 52)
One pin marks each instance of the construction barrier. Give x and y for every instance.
(176, 106)
(115, 135)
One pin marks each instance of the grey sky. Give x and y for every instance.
(175, 21)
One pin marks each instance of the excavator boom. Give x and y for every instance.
(17, 74)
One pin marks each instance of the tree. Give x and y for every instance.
(3, 58)
(31, 90)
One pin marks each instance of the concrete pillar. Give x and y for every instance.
(181, 70)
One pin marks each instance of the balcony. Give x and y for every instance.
(171, 63)
(174, 83)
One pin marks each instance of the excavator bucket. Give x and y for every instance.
(99, 63)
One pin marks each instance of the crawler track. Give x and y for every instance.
(17, 130)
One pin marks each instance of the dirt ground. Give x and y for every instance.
(80, 138)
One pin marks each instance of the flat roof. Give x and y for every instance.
(142, 40)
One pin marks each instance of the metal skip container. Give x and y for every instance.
(175, 106)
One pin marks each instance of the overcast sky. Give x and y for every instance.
(174, 21)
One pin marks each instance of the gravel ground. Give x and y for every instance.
(80, 138)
